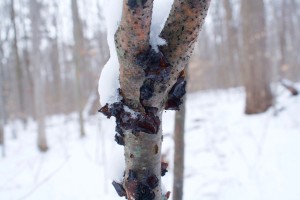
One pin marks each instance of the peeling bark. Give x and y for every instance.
(150, 82)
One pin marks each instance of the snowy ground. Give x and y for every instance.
(229, 156)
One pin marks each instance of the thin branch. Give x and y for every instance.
(182, 28)
(135, 25)
(132, 39)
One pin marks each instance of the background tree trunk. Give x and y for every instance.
(178, 175)
(2, 115)
(18, 69)
(78, 60)
(37, 65)
(255, 65)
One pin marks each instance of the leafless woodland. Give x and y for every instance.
(52, 52)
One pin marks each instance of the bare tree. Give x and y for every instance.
(78, 60)
(150, 82)
(256, 68)
(36, 61)
(2, 139)
(178, 175)
(232, 44)
(18, 69)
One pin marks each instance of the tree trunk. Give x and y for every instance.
(150, 82)
(36, 60)
(78, 59)
(255, 65)
(19, 73)
(178, 177)
(232, 46)
(2, 115)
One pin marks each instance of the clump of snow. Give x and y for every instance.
(109, 78)
(116, 163)
(161, 10)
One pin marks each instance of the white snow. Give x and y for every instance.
(109, 78)
(161, 10)
(228, 155)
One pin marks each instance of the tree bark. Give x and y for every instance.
(78, 60)
(178, 174)
(150, 82)
(255, 65)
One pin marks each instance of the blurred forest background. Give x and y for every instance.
(52, 52)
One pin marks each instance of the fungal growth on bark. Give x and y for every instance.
(151, 80)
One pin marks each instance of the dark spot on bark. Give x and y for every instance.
(119, 189)
(176, 93)
(144, 192)
(164, 167)
(152, 181)
(151, 110)
(147, 89)
(131, 175)
(147, 122)
(157, 72)
(131, 156)
(155, 149)
(119, 130)
(133, 4)
(119, 139)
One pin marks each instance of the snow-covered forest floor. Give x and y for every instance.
(229, 156)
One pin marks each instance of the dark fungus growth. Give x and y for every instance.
(176, 93)
(157, 72)
(142, 122)
(135, 3)
(119, 189)
(144, 192)
(131, 175)
(119, 139)
(152, 181)
(147, 89)
(164, 167)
